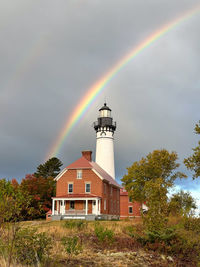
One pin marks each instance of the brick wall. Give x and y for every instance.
(98, 187)
(124, 207)
(79, 184)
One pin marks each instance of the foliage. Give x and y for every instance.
(75, 224)
(50, 168)
(182, 203)
(29, 247)
(192, 224)
(72, 245)
(193, 162)
(13, 202)
(103, 234)
(149, 180)
(40, 191)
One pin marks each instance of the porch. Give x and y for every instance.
(75, 207)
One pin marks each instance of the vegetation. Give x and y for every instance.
(149, 180)
(51, 168)
(182, 203)
(51, 244)
(193, 162)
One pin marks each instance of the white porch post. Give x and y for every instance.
(96, 206)
(86, 207)
(99, 206)
(53, 206)
(63, 207)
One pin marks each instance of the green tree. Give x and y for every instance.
(13, 201)
(50, 168)
(149, 180)
(182, 203)
(193, 162)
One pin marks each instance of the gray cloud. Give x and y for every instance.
(53, 51)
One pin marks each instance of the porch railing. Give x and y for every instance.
(70, 212)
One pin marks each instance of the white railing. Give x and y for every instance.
(74, 212)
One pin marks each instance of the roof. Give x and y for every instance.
(83, 163)
(77, 196)
(105, 107)
(104, 174)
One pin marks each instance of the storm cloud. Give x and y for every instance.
(52, 52)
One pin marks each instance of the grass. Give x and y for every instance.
(124, 250)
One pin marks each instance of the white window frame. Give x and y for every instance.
(72, 188)
(104, 204)
(86, 188)
(79, 174)
(129, 210)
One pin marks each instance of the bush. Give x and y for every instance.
(71, 224)
(193, 224)
(72, 245)
(31, 247)
(103, 235)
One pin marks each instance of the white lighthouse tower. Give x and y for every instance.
(105, 128)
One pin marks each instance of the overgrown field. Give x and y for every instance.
(104, 243)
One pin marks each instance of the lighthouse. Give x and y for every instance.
(105, 128)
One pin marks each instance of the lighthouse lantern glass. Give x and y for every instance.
(105, 113)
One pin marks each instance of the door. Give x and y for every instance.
(94, 207)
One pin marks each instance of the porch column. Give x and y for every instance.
(96, 206)
(86, 207)
(99, 206)
(63, 207)
(53, 206)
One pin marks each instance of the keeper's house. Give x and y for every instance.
(85, 191)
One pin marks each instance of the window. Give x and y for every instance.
(111, 190)
(130, 199)
(87, 188)
(130, 210)
(71, 205)
(104, 204)
(70, 188)
(79, 174)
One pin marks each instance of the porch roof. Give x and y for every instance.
(77, 196)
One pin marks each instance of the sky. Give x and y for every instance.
(52, 52)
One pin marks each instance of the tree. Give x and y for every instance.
(193, 162)
(13, 201)
(41, 191)
(50, 168)
(149, 180)
(182, 203)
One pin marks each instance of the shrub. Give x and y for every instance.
(72, 245)
(103, 235)
(71, 224)
(30, 247)
(193, 224)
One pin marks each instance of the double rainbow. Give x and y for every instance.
(98, 87)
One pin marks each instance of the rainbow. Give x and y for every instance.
(98, 87)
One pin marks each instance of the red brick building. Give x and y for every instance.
(128, 208)
(85, 191)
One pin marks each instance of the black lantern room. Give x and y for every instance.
(105, 121)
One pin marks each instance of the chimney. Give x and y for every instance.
(87, 154)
